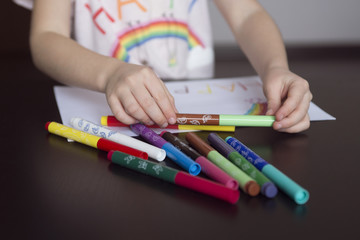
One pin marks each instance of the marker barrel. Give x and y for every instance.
(251, 156)
(94, 129)
(209, 168)
(113, 122)
(246, 120)
(225, 120)
(287, 185)
(268, 188)
(246, 183)
(91, 140)
(174, 176)
(171, 152)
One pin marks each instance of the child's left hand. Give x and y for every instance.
(288, 98)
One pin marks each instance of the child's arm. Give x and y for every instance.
(134, 93)
(259, 38)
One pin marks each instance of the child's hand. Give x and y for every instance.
(288, 98)
(134, 93)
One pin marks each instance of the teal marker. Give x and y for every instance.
(267, 187)
(291, 188)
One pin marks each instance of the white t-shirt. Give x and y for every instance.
(173, 37)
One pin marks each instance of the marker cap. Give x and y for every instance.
(252, 188)
(292, 189)
(181, 159)
(104, 120)
(269, 189)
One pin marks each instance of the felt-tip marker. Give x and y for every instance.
(291, 188)
(111, 121)
(268, 188)
(174, 176)
(209, 168)
(94, 129)
(91, 140)
(247, 184)
(171, 151)
(225, 120)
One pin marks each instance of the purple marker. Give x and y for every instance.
(268, 188)
(209, 168)
(171, 151)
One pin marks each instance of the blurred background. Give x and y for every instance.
(304, 24)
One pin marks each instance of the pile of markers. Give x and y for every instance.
(228, 163)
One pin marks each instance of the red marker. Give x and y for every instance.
(91, 140)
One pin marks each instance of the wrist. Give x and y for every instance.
(109, 66)
(273, 67)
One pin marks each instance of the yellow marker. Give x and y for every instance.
(91, 140)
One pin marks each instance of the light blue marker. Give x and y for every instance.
(291, 188)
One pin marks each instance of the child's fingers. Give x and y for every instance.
(300, 126)
(134, 106)
(295, 96)
(273, 103)
(294, 117)
(149, 100)
(164, 101)
(272, 92)
(171, 99)
(118, 110)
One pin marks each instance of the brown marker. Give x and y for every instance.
(197, 119)
(247, 184)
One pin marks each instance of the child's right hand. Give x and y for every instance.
(135, 94)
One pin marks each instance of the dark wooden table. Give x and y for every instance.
(52, 189)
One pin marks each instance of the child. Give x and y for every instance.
(123, 47)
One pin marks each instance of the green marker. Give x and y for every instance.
(246, 183)
(246, 120)
(267, 187)
(174, 176)
(225, 120)
(283, 182)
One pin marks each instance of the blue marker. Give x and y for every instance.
(291, 188)
(171, 151)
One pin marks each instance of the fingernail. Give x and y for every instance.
(164, 125)
(150, 123)
(172, 120)
(278, 126)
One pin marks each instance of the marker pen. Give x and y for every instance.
(209, 168)
(291, 188)
(113, 122)
(247, 184)
(177, 177)
(91, 140)
(94, 129)
(225, 120)
(171, 152)
(267, 187)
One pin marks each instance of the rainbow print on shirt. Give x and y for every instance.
(141, 34)
(257, 109)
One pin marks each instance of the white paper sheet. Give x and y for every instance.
(241, 95)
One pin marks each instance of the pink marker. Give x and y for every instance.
(207, 166)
